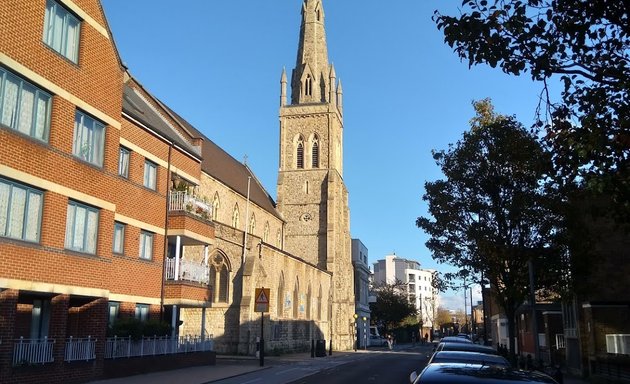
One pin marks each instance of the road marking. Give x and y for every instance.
(251, 381)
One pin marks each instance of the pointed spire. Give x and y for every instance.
(332, 98)
(340, 95)
(283, 88)
(309, 79)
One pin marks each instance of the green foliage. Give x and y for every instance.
(137, 329)
(391, 306)
(585, 44)
(494, 211)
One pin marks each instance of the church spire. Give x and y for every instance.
(309, 80)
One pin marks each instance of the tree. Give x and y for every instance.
(391, 306)
(493, 213)
(586, 44)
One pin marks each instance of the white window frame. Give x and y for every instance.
(118, 241)
(142, 312)
(80, 236)
(150, 175)
(24, 107)
(89, 139)
(20, 211)
(62, 30)
(146, 245)
(124, 157)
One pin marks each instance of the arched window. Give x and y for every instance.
(308, 86)
(300, 153)
(280, 297)
(296, 299)
(266, 232)
(223, 284)
(315, 152)
(219, 277)
(308, 303)
(279, 239)
(319, 304)
(252, 224)
(216, 203)
(235, 216)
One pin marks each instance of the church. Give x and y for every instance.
(298, 247)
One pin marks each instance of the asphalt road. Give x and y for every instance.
(381, 368)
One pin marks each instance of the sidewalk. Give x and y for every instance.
(225, 368)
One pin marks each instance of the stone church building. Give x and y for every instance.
(299, 247)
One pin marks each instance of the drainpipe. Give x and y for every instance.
(168, 198)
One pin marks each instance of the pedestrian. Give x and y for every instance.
(426, 337)
(389, 341)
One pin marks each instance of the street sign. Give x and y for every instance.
(262, 300)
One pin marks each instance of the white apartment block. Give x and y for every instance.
(417, 282)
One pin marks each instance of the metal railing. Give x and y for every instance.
(182, 201)
(117, 347)
(33, 351)
(560, 343)
(188, 270)
(80, 349)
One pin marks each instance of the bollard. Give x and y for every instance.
(330, 349)
(312, 348)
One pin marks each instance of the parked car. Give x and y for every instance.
(470, 347)
(377, 340)
(459, 373)
(455, 339)
(469, 358)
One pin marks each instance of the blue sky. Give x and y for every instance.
(218, 64)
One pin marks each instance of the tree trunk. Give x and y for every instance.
(511, 334)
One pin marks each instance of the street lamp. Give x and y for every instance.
(364, 332)
(356, 331)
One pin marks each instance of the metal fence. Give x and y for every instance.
(80, 349)
(33, 351)
(117, 347)
(189, 271)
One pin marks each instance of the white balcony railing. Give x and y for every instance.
(33, 351)
(80, 349)
(117, 347)
(188, 271)
(560, 343)
(182, 201)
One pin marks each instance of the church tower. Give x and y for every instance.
(312, 196)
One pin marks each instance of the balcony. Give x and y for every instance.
(187, 271)
(181, 201)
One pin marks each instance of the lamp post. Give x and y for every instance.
(356, 332)
(364, 333)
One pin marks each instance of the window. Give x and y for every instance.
(252, 224)
(146, 245)
(24, 107)
(142, 312)
(123, 162)
(300, 153)
(308, 86)
(280, 297)
(315, 153)
(61, 31)
(89, 138)
(266, 232)
(114, 310)
(235, 216)
(223, 284)
(150, 172)
(119, 238)
(20, 211)
(81, 228)
(279, 239)
(216, 203)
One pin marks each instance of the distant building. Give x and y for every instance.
(361, 289)
(418, 283)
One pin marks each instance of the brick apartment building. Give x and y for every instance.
(112, 206)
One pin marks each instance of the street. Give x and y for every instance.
(383, 368)
(374, 367)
